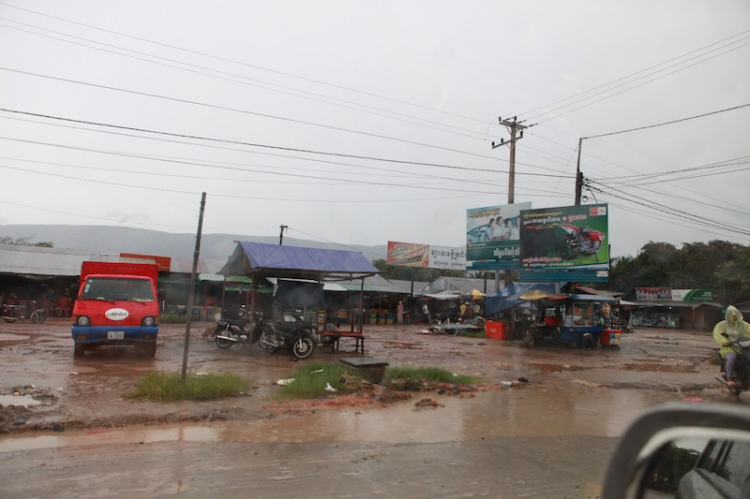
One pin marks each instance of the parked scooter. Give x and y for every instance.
(13, 313)
(741, 376)
(297, 337)
(232, 331)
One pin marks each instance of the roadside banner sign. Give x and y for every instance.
(565, 237)
(492, 232)
(426, 256)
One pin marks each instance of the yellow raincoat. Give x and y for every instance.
(734, 326)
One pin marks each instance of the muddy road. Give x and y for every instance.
(549, 437)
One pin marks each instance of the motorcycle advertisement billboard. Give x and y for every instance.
(492, 232)
(426, 256)
(565, 237)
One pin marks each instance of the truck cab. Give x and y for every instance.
(117, 305)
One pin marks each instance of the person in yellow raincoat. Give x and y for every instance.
(730, 329)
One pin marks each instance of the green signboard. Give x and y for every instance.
(565, 237)
(492, 232)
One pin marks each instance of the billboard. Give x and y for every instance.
(492, 232)
(426, 256)
(566, 237)
(664, 293)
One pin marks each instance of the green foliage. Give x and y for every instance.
(25, 241)
(310, 381)
(415, 376)
(172, 319)
(163, 386)
(720, 266)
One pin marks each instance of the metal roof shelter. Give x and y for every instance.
(269, 260)
(34, 262)
(291, 262)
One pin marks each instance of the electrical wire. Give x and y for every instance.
(261, 68)
(668, 122)
(266, 146)
(257, 83)
(741, 34)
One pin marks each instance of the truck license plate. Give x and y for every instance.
(115, 335)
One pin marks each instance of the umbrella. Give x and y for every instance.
(533, 295)
(536, 295)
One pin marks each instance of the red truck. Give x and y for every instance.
(117, 305)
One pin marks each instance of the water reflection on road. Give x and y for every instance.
(523, 413)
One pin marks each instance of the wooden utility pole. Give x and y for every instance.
(513, 126)
(191, 294)
(281, 234)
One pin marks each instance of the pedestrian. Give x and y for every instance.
(730, 329)
(426, 313)
(400, 312)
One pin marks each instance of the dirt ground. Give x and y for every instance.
(67, 393)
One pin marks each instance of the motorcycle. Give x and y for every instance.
(227, 332)
(578, 242)
(741, 366)
(12, 313)
(297, 336)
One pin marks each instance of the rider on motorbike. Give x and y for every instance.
(730, 329)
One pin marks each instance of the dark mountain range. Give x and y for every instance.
(150, 242)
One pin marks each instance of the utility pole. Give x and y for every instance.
(281, 235)
(191, 293)
(579, 175)
(513, 126)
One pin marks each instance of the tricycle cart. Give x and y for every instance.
(578, 320)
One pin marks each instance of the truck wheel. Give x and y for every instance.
(79, 349)
(147, 349)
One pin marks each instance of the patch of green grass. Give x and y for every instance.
(414, 378)
(310, 381)
(163, 386)
(172, 319)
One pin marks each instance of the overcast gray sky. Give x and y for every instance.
(368, 122)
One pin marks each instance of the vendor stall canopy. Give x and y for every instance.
(296, 263)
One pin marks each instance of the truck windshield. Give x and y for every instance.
(122, 289)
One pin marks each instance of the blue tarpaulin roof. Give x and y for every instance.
(510, 296)
(296, 262)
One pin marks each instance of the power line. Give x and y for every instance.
(205, 54)
(634, 86)
(666, 209)
(258, 83)
(241, 111)
(668, 122)
(251, 144)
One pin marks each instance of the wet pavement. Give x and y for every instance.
(577, 402)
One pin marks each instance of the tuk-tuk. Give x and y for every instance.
(577, 320)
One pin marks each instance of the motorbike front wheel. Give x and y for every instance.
(303, 347)
(222, 342)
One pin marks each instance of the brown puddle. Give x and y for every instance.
(13, 337)
(527, 412)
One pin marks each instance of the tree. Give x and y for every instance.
(24, 241)
(720, 266)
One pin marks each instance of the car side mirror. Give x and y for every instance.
(685, 451)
